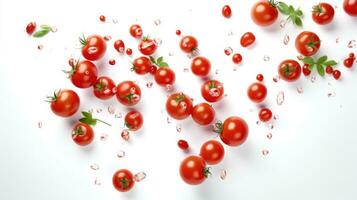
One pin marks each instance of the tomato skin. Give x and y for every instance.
(123, 180)
(84, 74)
(257, 92)
(128, 93)
(102, 18)
(119, 46)
(66, 103)
(307, 43)
(264, 13)
(182, 144)
(247, 39)
(350, 7)
(82, 134)
(336, 74)
(94, 47)
(305, 70)
(103, 88)
(237, 58)
(265, 114)
(323, 13)
(188, 44)
(226, 11)
(136, 31)
(234, 131)
(212, 152)
(165, 76)
(200, 66)
(134, 120)
(142, 65)
(203, 114)
(129, 51)
(348, 62)
(212, 91)
(329, 70)
(289, 70)
(179, 106)
(260, 77)
(147, 46)
(30, 28)
(193, 170)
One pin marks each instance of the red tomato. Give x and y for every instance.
(182, 144)
(83, 74)
(336, 74)
(178, 32)
(247, 39)
(136, 31)
(348, 62)
(265, 114)
(165, 76)
(226, 11)
(329, 70)
(305, 70)
(289, 70)
(350, 7)
(323, 13)
(237, 58)
(260, 77)
(82, 134)
(129, 51)
(200, 66)
(179, 106)
(134, 120)
(257, 92)
(193, 170)
(188, 44)
(102, 18)
(103, 88)
(264, 13)
(30, 28)
(203, 114)
(307, 43)
(153, 69)
(128, 93)
(212, 152)
(142, 65)
(93, 47)
(123, 180)
(212, 91)
(119, 46)
(234, 131)
(64, 103)
(147, 46)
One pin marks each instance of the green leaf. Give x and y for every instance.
(87, 114)
(152, 59)
(321, 60)
(299, 13)
(160, 59)
(330, 63)
(320, 70)
(41, 33)
(311, 67)
(283, 8)
(308, 60)
(88, 121)
(291, 9)
(163, 64)
(297, 21)
(47, 27)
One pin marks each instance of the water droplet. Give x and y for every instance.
(223, 174)
(97, 182)
(94, 166)
(135, 98)
(271, 126)
(193, 53)
(139, 176)
(169, 87)
(111, 109)
(53, 29)
(214, 92)
(331, 94)
(337, 40)
(257, 122)
(230, 33)
(280, 98)
(90, 110)
(269, 136)
(351, 44)
(276, 117)
(115, 21)
(107, 37)
(283, 23)
(186, 69)
(178, 128)
(158, 41)
(300, 90)
(235, 68)
(171, 54)
(266, 58)
(149, 84)
(92, 50)
(286, 39)
(39, 124)
(125, 134)
(228, 51)
(168, 120)
(313, 79)
(300, 57)
(40, 47)
(265, 152)
(120, 154)
(157, 22)
(103, 137)
(114, 90)
(118, 115)
(99, 110)
(217, 71)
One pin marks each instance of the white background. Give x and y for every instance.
(312, 152)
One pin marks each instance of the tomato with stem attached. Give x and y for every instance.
(264, 13)
(93, 47)
(133, 120)
(82, 134)
(203, 114)
(212, 90)
(128, 93)
(212, 152)
(123, 180)
(136, 31)
(289, 70)
(141, 65)
(247, 39)
(179, 106)
(307, 43)
(104, 87)
(323, 13)
(257, 92)
(193, 170)
(64, 103)
(83, 74)
(233, 131)
(200, 66)
(188, 44)
(350, 7)
(147, 46)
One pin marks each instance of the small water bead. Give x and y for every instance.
(103, 137)
(94, 166)
(120, 154)
(92, 50)
(99, 110)
(228, 51)
(125, 134)
(178, 128)
(111, 109)
(139, 176)
(118, 115)
(97, 182)
(107, 37)
(265, 152)
(223, 174)
(300, 90)
(157, 22)
(276, 78)
(266, 58)
(280, 98)
(286, 39)
(331, 94)
(39, 124)
(351, 44)
(149, 84)
(40, 47)
(54, 29)
(269, 136)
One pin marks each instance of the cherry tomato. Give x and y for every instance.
(323, 13)
(128, 93)
(265, 114)
(102, 18)
(200, 66)
(234, 131)
(350, 7)
(289, 70)
(64, 103)
(260, 77)
(134, 120)
(93, 47)
(307, 43)
(103, 88)
(182, 144)
(136, 31)
(203, 114)
(348, 62)
(153, 69)
(178, 32)
(336, 74)
(193, 170)
(188, 44)
(237, 58)
(226, 11)
(329, 70)
(30, 28)
(119, 46)
(305, 70)
(147, 46)
(83, 74)
(257, 92)
(179, 106)
(212, 91)
(142, 65)
(129, 51)
(264, 13)
(123, 180)
(165, 76)
(212, 152)
(82, 134)
(247, 39)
